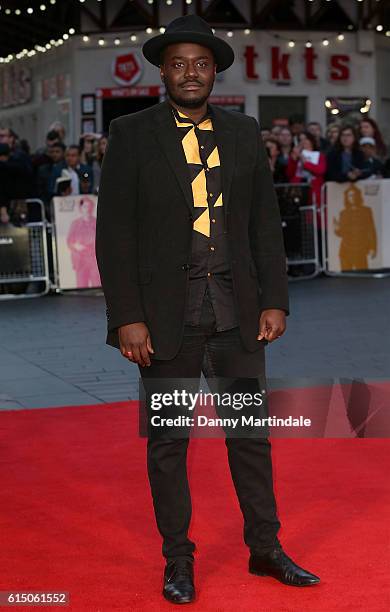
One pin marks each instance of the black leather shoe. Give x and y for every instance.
(179, 581)
(278, 565)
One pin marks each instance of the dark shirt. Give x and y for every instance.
(210, 258)
(338, 165)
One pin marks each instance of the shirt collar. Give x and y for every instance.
(183, 118)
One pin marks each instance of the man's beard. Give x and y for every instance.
(184, 102)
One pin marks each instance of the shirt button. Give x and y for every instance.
(208, 273)
(212, 248)
(207, 169)
(211, 195)
(213, 221)
(201, 146)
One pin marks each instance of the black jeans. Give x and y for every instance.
(216, 354)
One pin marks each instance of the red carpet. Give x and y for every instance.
(76, 516)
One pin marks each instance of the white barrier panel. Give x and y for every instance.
(74, 219)
(357, 222)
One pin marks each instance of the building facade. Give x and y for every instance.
(88, 80)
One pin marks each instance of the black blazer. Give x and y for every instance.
(144, 225)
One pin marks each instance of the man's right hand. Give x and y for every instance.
(135, 343)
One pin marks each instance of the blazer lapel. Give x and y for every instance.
(225, 135)
(168, 138)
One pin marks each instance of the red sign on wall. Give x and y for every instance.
(339, 65)
(127, 69)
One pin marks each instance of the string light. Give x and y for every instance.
(133, 37)
(308, 43)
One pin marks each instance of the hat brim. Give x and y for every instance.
(223, 53)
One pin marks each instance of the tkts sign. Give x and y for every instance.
(280, 65)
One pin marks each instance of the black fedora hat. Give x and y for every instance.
(194, 29)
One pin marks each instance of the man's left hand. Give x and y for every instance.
(272, 324)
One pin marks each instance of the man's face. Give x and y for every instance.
(296, 128)
(5, 137)
(188, 73)
(56, 154)
(314, 129)
(72, 157)
(368, 150)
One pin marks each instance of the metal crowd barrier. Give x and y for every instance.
(363, 273)
(300, 233)
(24, 266)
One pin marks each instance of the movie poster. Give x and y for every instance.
(356, 214)
(75, 230)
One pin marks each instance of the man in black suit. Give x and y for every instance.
(190, 252)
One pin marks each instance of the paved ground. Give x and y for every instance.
(53, 352)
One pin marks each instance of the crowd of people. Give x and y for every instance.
(54, 169)
(297, 153)
(300, 153)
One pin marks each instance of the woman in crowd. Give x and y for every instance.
(332, 134)
(368, 128)
(276, 165)
(307, 164)
(87, 149)
(346, 161)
